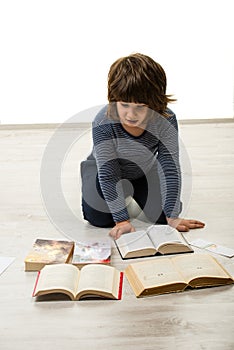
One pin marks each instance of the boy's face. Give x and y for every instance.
(132, 114)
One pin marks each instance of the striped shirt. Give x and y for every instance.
(119, 155)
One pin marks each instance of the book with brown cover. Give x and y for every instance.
(166, 275)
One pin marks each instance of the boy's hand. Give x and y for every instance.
(184, 225)
(120, 228)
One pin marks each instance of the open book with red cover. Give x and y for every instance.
(92, 281)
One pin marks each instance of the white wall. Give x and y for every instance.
(55, 54)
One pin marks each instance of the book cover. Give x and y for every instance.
(48, 251)
(92, 252)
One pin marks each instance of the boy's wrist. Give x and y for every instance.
(119, 223)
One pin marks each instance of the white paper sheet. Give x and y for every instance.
(212, 247)
(5, 261)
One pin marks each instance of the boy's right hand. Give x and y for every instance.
(120, 228)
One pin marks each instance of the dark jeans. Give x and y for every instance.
(145, 191)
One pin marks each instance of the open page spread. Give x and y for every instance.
(165, 275)
(162, 239)
(95, 280)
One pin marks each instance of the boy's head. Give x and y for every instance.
(138, 78)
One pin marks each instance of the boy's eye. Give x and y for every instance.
(126, 105)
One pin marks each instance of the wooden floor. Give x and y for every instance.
(195, 319)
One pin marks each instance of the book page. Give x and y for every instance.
(162, 234)
(133, 242)
(58, 276)
(100, 278)
(157, 272)
(198, 265)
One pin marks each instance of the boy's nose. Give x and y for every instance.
(131, 112)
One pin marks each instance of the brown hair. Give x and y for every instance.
(138, 78)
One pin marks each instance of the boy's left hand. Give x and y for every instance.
(184, 225)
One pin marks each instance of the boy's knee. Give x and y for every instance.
(96, 218)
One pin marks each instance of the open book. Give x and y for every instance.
(94, 280)
(162, 239)
(165, 275)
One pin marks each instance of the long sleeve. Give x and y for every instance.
(169, 168)
(109, 172)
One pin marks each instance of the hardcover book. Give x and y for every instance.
(92, 252)
(157, 239)
(92, 281)
(48, 251)
(166, 275)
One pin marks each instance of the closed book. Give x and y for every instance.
(48, 251)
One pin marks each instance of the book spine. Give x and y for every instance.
(34, 290)
(120, 285)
